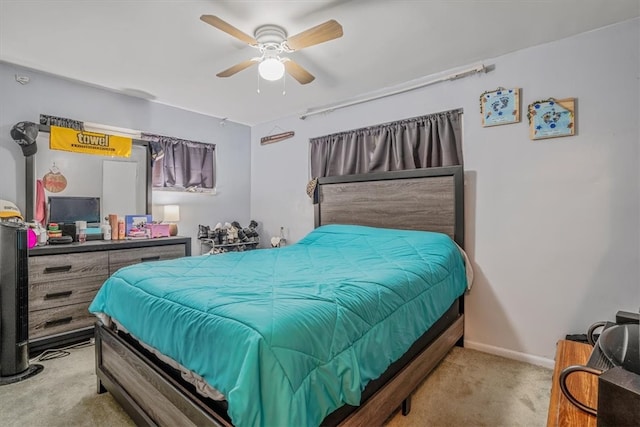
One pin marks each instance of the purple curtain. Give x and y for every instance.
(419, 142)
(180, 164)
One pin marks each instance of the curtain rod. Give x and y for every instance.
(381, 125)
(477, 69)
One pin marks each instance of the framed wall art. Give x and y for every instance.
(551, 118)
(500, 106)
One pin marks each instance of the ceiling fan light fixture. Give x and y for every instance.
(272, 41)
(271, 69)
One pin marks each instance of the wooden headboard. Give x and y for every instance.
(429, 199)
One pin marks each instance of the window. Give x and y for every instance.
(420, 142)
(181, 165)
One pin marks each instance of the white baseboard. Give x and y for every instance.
(510, 354)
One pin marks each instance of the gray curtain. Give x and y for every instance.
(419, 142)
(180, 164)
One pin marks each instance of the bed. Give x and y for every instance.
(248, 359)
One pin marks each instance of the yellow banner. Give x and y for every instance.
(66, 139)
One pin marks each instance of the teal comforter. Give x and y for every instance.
(288, 335)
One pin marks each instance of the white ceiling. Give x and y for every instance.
(160, 50)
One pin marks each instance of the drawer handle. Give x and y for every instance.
(58, 269)
(58, 295)
(57, 322)
(150, 258)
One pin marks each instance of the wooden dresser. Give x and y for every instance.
(582, 385)
(63, 280)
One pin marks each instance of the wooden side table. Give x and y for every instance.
(582, 385)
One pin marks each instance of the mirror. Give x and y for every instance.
(123, 184)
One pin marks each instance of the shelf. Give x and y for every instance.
(226, 245)
(207, 245)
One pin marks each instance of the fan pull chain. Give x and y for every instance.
(258, 75)
(284, 84)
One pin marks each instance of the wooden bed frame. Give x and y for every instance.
(423, 199)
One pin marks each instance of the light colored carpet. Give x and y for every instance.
(468, 388)
(62, 395)
(471, 388)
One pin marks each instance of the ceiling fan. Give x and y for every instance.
(272, 41)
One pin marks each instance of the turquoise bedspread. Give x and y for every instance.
(288, 335)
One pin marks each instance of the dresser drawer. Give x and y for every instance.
(48, 268)
(124, 257)
(60, 319)
(44, 295)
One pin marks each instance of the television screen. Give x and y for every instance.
(68, 210)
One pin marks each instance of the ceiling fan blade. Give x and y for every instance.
(228, 28)
(319, 34)
(297, 72)
(236, 68)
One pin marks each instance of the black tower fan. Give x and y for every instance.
(14, 305)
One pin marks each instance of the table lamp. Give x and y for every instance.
(172, 215)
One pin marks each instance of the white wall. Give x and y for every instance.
(46, 94)
(552, 225)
